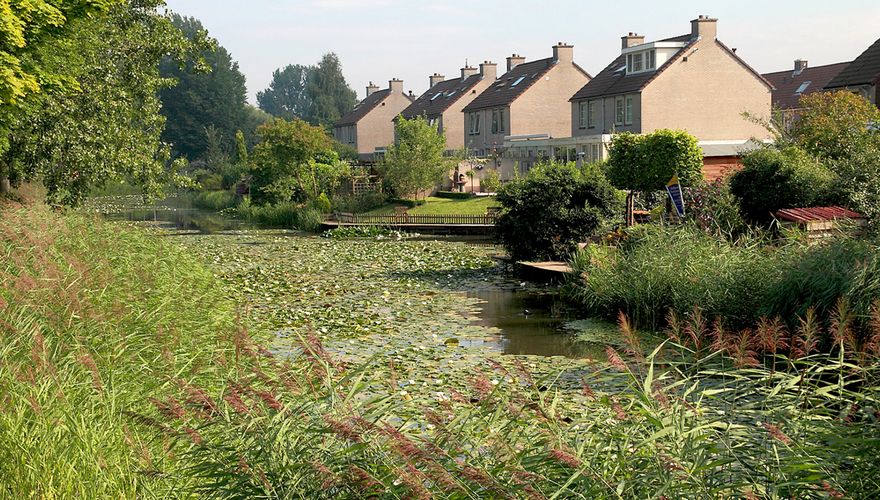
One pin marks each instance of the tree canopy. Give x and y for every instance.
(416, 160)
(285, 163)
(317, 94)
(107, 126)
(210, 91)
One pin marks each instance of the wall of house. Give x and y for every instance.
(453, 120)
(605, 117)
(376, 129)
(545, 108)
(706, 96)
(485, 142)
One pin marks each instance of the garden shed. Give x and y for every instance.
(820, 222)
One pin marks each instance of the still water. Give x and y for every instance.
(526, 321)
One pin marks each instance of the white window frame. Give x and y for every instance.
(501, 120)
(651, 60)
(475, 124)
(629, 104)
(619, 110)
(494, 121)
(591, 113)
(583, 110)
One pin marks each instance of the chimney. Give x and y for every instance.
(468, 71)
(563, 52)
(631, 40)
(705, 27)
(435, 79)
(396, 85)
(799, 66)
(371, 88)
(489, 70)
(514, 61)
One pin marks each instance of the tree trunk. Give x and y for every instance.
(4, 185)
(630, 208)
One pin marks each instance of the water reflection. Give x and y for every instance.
(530, 323)
(176, 214)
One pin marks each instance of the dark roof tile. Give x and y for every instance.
(438, 98)
(504, 92)
(864, 70)
(787, 83)
(613, 80)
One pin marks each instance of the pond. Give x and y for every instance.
(471, 303)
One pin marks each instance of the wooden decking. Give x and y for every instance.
(427, 224)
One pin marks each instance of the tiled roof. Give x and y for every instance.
(864, 70)
(816, 214)
(438, 98)
(364, 107)
(512, 84)
(787, 83)
(613, 80)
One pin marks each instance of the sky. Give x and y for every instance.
(378, 40)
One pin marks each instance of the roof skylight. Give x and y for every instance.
(517, 82)
(803, 87)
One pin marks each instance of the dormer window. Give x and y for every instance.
(641, 61)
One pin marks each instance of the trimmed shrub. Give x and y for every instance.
(454, 195)
(780, 178)
(648, 162)
(363, 202)
(545, 214)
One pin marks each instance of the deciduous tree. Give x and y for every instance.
(416, 160)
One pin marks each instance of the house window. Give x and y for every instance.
(494, 121)
(501, 120)
(594, 152)
(582, 113)
(803, 87)
(619, 111)
(650, 59)
(475, 124)
(591, 114)
(637, 62)
(628, 118)
(518, 81)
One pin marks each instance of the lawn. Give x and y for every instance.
(445, 206)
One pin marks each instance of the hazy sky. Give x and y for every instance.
(411, 39)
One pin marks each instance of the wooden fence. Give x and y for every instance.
(400, 219)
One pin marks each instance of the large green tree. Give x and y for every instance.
(331, 96)
(109, 127)
(26, 28)
(285, 163)
(416, 161)
(287, 96)
(210, 91)
(317, 94)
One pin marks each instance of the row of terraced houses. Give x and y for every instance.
(553, 108)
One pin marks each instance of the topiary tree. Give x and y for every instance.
(556, 205)
(648, 162)
(774, 178)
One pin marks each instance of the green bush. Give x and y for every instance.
(715, 210)
(773, 178)
(454, 195)
(214, 200)
(408, 203)
(322, 203)
(491, 181)
(360, 203)
(545, 214)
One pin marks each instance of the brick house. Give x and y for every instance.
(791, 85)
(691, 82)
(531, 98)
(369, 127)
(444, 100)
